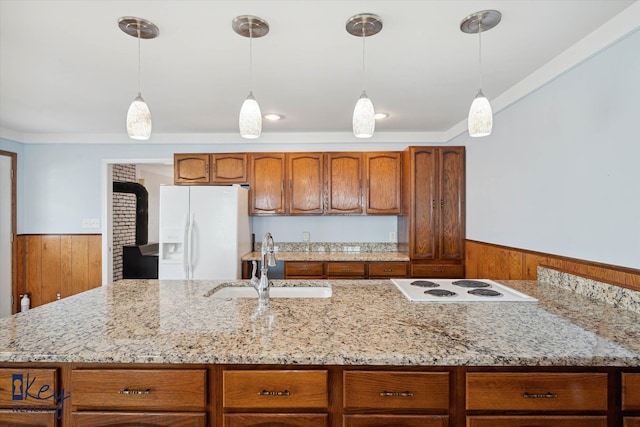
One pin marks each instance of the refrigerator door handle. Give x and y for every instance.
(185, 252)
(190, 246)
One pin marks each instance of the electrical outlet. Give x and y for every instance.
(91, 223)
(306, 236)
(393, 236)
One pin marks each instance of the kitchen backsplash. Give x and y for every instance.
(615, 295)
(332, 247)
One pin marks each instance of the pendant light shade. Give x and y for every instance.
(250, 121)
(480, 119)
(364, 121)
(138, 116)
(139, 119)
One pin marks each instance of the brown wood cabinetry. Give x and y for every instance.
(293, 393)
(383, 183)
(126, 419)
(344, 269)
(306, 183)
(191, 169)
(267, 178)
(229, 168)
(631, 422)
(344, 183)
(630, 391)
(24, 393)
(303, 270)
(396, 420)
(431, 227)
(537, 421)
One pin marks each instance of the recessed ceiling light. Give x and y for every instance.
(273, 117)
(380, 116)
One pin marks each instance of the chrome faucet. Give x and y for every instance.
(268, 260)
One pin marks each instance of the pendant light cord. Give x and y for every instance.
(250, 58)
(364, 75)
(139, 91)
(480, 52)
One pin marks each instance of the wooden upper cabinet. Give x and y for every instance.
(306, 183)
(267, 177)
(229, 168)
(344, 183)
(452, 210)
(383, 178)
(436, 190)
(191, 169)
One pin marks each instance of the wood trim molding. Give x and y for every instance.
(490, 261)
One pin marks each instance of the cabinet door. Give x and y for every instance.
(630, 391)
(306, 183)
(451, 204)
(387, 269)
(631, 422)
(10, 418)
(191, 169)
(268, 172)
(303, 269)
(279, 420)
(344, 183)
(423, 205)
(229, 168)
(124, 419)
(346, 270)
(383, 174)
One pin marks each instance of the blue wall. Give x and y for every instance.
(560, 172)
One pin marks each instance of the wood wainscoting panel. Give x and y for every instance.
(489, 261)
(55, 265)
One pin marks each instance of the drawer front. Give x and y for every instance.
(396, 390)
(27, 387)
(387, 269)
(435, 270)
(279, 420)
(537, 391)
(395, 421)
(541, 421)
(16, 419)
(275, 389)
(346, 269)
(304, 269)
(102, 419)
(125, 389)
(630, 391)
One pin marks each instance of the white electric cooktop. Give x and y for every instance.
(458, 290)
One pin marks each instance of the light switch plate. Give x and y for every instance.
(393, 236)
(91, 223)
(306, 236)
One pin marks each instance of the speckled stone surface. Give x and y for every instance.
(615, 295)
(332, 256)
(332, 247)
(363, 322)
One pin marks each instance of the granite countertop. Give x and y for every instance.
(331, 256)
(363, 322)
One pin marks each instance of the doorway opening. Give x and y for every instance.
(8, 240)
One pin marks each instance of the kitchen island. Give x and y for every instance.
(364, 326)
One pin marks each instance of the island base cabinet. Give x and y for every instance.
(276, 420)
(396, 421)
(537, 421)
(110, 419)
(15, 419)
(632, 422)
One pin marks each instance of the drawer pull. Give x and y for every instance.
(127, 391)
(346, 269)
(388, 270)
(396, 394)
(274, 393)
(547, 395)
(438, 271)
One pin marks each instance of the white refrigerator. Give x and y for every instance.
(204, 231)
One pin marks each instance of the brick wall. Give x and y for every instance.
(124, 217)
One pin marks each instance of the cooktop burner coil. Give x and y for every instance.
(471, 284)
(484, 292)
(424, 284)
(440, 293)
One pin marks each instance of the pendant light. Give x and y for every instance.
(364, 121)
(250, 119)
(138, 116)
(480, 121)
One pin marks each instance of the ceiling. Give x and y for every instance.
(68, 71)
